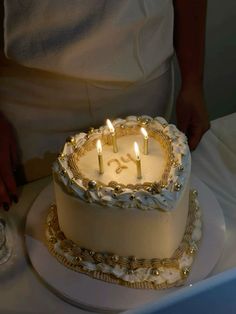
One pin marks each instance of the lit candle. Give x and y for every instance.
(145, 141)
(138, 160)
(100, 159)
(113, 135)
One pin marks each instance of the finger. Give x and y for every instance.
(194, 136)
(15, 160)
(7, 177)
(4, 197)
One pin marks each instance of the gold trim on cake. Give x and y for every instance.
(110, 267)
(161, 195)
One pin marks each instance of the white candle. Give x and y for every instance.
(138, 160)
(145, 141)
(113, 135)
(100, 158)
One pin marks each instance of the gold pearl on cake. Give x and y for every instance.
(177, 186)
(63, 172)
(185, 272)
(78, 259)
(118, 188)
(113, 135)
(145, 140)
(52, 239)
(195, 193)
(71, 140)
(192, 250)
(115, 258)
(181, 168)
(155, 272)
(138, 160)
(91, 130)
(61, 156)
(92, 184)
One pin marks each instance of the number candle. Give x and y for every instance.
(138, 160)
(145, 141)
(100, 158)
(113, 135)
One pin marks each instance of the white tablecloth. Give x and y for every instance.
(214, 162)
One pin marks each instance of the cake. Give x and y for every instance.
(122, 216)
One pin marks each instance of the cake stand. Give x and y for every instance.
(95, 295)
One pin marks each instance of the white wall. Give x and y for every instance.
(220, 66)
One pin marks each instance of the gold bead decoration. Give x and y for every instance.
(185, 272)
(61, 156)
(155, 272)
(91, 253)
(72, 181)
(71, 140)
(92, 184)
(63, 172)
(115, 258)
(91, 131)
(78, 259)
(195, 193)
(192, 250)
(117, 188)
(150, 189)
(177, 186)
(181, 168)
(163, 186)
(53, 240)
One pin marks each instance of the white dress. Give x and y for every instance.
(80, 62)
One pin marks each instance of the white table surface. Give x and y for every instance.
(214, 162)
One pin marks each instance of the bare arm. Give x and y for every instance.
(189, 41)
(8, 147)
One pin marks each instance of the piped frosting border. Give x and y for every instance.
(160, 195)
(129, 271)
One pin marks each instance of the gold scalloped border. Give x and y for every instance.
(158, 135)
(54, 234)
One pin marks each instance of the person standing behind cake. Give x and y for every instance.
(71, 64)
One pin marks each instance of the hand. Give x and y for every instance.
(8, 162)
(192, 116)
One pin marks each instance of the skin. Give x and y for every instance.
(8, 163)
(191, 112)
(189, 42)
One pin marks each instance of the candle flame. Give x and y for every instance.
(110, 126)
(99, 146)
(136, 150)
(144, 132)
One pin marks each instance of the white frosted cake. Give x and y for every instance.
(123, 216)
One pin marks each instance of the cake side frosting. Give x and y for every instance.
(129, 231)
(129, 270)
